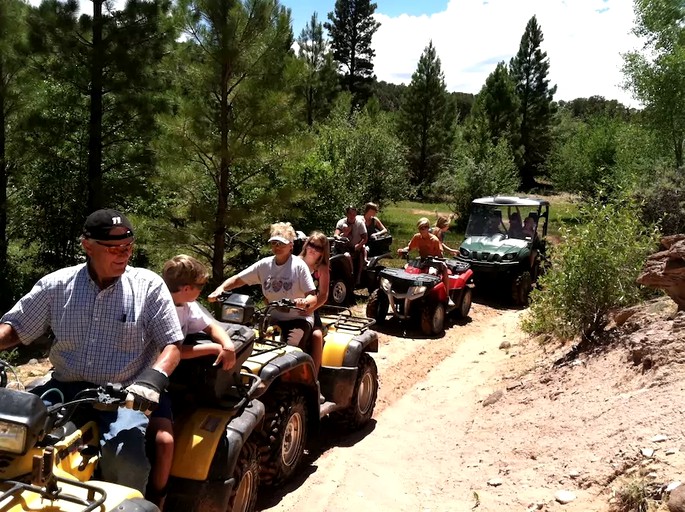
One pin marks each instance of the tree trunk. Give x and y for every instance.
(5, 299)
(94, 199)
(223, 181)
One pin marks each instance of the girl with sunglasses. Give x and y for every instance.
(316, 254)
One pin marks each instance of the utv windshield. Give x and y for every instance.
(505, 220)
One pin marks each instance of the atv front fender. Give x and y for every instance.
(208, 447)
(212, 440)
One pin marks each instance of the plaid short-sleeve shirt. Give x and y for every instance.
(101, 336)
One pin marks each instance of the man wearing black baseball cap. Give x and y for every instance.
(111, 323)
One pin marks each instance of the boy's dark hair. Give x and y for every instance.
(184, 270)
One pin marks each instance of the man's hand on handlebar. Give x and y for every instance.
(143, 394)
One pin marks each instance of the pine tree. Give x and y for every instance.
(351, 27)
(529, 70)
(320, 80)
(234, 112)
(14, 78)
(496, 112)
(108, 62)
(427, 121)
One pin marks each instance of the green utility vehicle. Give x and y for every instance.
(506, 244)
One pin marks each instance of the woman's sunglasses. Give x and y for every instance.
(317, 248)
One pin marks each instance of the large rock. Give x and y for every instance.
(676, 502)
(666, 269)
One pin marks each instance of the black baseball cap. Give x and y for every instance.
(99, 224)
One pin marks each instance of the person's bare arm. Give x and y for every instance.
(324, 281)
(228, 284)
(382, 230)
(226, 357)
(8, 337)
(168, 359)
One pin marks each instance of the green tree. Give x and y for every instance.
(234, 115)
(110, 58)
(355, 159)
(427, 121)
(320, 79)
(351, 27)
(495, 115)
(14, 78)
(656, 75)
(529, 70)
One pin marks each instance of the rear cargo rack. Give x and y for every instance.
(342, 319)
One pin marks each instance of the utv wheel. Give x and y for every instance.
(433, 319)
(338, 295)
(284, 436)
(521, 288)
(465, 305)
(377, 307)
(246, 475)
(364, 396)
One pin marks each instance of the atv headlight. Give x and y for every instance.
(237, 308)
(416, 290)
(464, 252)
(385, 284)
(22, 420)
(233, 314)
(12, 437)
(510, 256)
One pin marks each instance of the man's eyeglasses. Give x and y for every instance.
(317, 248)
(116, 249)
(276, 243)
(423, 227)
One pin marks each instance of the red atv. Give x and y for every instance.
(418, 290)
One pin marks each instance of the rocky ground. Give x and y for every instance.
(482, 419)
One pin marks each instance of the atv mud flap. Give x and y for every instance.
(205, 456)
(337, 384)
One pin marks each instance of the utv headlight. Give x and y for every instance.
(22, 420)
(416, 290)
(510, 256)
(12, 437)
(385, 285)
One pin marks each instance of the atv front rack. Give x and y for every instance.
(95, 498)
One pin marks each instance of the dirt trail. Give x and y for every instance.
(414, 457)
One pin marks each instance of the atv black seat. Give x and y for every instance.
(197, 380)
(380, 245)
(457, 266)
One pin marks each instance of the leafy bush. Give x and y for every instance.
(601, 158)
(353, 161)
(494, 172)
(593, 271)
(663, 200)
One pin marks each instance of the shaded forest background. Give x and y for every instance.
(207, 120)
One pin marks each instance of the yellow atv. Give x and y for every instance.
(48, 462)
(216, 465)
(348, 380)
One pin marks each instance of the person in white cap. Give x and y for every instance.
(281, 276)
